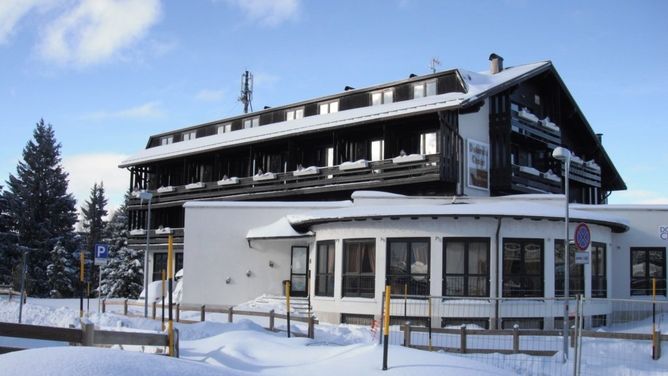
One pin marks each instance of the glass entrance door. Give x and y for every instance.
(299, 271)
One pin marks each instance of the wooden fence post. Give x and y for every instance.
(406, 328)
(10, 294)
(125, 307)
(311, 328)
(657, 345)
(230, 315)
(153, 308)
(572, 336)
(202, 316)
(104, 305)
(87, 333)
(516, 338)
(178, 312)
(271, 320)
(462, 339)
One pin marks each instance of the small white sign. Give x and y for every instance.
(582, 258)
(663, 232)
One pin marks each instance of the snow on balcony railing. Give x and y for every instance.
(166, 189)
(311, 170)
(137, 232)
(529, 170)
(548, 124)
(525, 114)
(549, 175)
(362, 163)
(264, 176)
(198, 185)
(228, 181)
(163, 231)
(409, 158)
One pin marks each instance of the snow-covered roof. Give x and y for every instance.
(486, 208)
(281, 229)
(478, 85)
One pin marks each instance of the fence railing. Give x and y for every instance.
(86, 336)
(204, 309)
(10, 292)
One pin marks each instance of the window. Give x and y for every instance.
(522, 267)
(382, 97)
(190, 135)
(166, 140)
(359, 268)
(160, 264)
(324, 271)
(294, 113)
(428, 143)
(377, 150)
(599, 281)
(252, 122)
(424, 89)
(408, 266)
(522, 323)
(466, 266)
(647, 264)
(224, 128)
(470, 322)
(329, 107)
(575, 271)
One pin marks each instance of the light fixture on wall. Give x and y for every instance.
(248, 273)
(228, 280)
(271, 264)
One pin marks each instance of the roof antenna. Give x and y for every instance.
(434, 62)
(246, 91)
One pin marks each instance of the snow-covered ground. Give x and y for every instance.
(244, 347)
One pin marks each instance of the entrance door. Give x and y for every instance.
(299, 271)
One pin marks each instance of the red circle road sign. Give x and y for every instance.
(582, 236)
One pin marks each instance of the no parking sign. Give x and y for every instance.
(582, 240)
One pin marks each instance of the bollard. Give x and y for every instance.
(202, 315)
(271, 320)
(178, 312)
(462, 339)
(87, 333)
(230, 315)
(125, 307)
(656, 353)
(516, 338)
(104, 305)
(311, 327)
(153, 310)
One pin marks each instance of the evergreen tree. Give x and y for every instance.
(93, 212)
(42, 211)
(9, 256)
(123, 276)
(60, 272)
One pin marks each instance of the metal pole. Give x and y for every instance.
(148, 233)
(386, 326)
(81, 280)
(567, 163)
(24, 266)
(99, 287)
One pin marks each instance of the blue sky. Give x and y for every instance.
(107, 74)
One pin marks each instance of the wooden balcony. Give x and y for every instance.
(157, 239)
(535, 131)
(369, 175)
(585, 174)
(529, 180)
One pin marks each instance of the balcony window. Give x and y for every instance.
(424, 89)
(252, 122)
(166, 140)
(224, 128)
(329, 107)
(382, 97)
(190, 135)
(294, 113)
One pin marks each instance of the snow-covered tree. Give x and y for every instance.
(60, 272)
(123, 276)
(41, 210)
(93, 212)
(9, 256)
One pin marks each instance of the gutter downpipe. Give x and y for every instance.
(497, 320)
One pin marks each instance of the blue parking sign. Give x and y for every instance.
(101, 253)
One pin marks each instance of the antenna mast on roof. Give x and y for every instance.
(246, 91)
(434, 62)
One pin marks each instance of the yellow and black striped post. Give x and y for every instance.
(654, 355)
(170, 277)
(164, 276)
(429, 321)
(386, 326)
(82, 259)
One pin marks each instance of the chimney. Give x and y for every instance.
(348, 88)
(600, 138)
(495, 63)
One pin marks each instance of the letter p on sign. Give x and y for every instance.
(101, 253)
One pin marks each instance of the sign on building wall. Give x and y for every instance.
(663, 232)
(478, 164)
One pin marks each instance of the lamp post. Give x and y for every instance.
(564, 155)
(146, 195)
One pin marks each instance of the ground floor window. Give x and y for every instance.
(598, 321)
(359, 268)
(324, 270)
(160, 264)
(522, 323)
(355, 319)
(466, 266)
(575, 271)
(408, 266)
(647, 264)
(599, 280)
(470, 322)
(523, 267)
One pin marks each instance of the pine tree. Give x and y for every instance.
(42, 211)
(59, 272)
(93, 212)
(123, 276)
(9, 256)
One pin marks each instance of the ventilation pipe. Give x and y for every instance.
(495, 63)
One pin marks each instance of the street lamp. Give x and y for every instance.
(146, 195)
(564, 155)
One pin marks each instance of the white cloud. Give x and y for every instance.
(268, 12)
(151, 109)
(209, 95)
(11, 12)
(95, 30)
(86, 169)
(639, 196)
